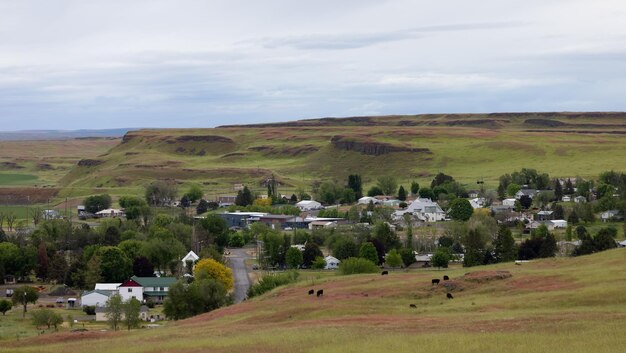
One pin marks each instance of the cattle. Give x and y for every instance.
(446, 278)
(435, 281)
(413, 306)
(449, 296)
(312, 291)
(384, 273)
(320, 292)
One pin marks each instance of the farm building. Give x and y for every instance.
(309, 205)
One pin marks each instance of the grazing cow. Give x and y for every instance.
(413, 306)
(449, 296)
(446, 278)
(384, 273)
(435, 281)
(320, 292)
(312, 291)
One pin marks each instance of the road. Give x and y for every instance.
(236, 261)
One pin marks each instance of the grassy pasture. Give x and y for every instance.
(557, 305)
(17, 179)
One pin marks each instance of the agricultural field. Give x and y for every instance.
(557, 305)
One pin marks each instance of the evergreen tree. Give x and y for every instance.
(414, 187)
(355, 183)
(401, 193)
(558, 190)
(244, 197)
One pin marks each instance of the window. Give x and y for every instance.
(130, 290)
(162, 289)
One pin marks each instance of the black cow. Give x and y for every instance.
(446, 278)
(384, 273)
(413, 306)
(312, 291)
(435, 281)
(449, 296)
(320, 292)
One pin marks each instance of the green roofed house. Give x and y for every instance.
(143, 288)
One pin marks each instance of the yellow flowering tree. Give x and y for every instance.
(215, 270)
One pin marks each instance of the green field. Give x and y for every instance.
(554, 305)
(17, 179)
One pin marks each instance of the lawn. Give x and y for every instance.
(17, 179)
(555, 305)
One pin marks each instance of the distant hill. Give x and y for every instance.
(416, 147)
(60, 134)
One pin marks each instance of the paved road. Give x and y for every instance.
(236, 261)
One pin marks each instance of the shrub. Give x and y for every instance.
(46, 317)
(269, 282)
(216, 271)
(356, 265)
(89, 309)
(319, 263)
(5, 306)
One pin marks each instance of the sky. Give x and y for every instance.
(90, 64)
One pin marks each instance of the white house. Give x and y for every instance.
(526, 192)
(566, 198)
(110, 212)
(609, 215)
(154, 288)
(365, 200)
(191, 256)
(331, 262)
(509, 202)
(580, 199)
(478, 202)
(424, 209)
(131, 289)
(95, 298)
(559, 223)
(309, 205)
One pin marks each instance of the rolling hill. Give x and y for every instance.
(467, 146)
(552, 305)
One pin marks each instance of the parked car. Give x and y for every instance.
(9, 292)
(60, 300)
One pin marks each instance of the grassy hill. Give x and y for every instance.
(554, 305)
(467, 146)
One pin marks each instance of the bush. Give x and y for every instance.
(269, 282)
(89, 309)
(356, 265)
(319, 263)
(215, 270)
(5, 306)
(46, 317)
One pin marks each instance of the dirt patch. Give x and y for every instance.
(372, 148)
(89, 162)
(26, 196)
(10, 165)
(486, 276)
(285, 151)
(541, 284)
(44, 166)
(206, 138)
(544, 122)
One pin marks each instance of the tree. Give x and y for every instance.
(414, 187)
(401, 193)
(355, 265)
(426, 193)
(24, 295)
(383, 233)
(460, 210)
(202, 207)
(548, 246)
(311, 251)
(345, 248)
(441, 258)
(474, 248)
(97, 203)
(142, 267)
(293, 258)
(504, 245)
(114, 311)
(114, 265)
(42, 261)
(558, 190)
(215, 270)
(161, 193)
(512, 189)
(329, 192)
(604, 240)
(375, 191)
(525, 201)
(46, 317)
(244, 197)
(131, 310)
(5, 306)
(319, 263)
(202, 295)
(393, 259)
(216, 227)
(354, 183)
(440, 179)
(58, 268)
(368, 251)
(387, 184)
(194, 193)
(408, 257)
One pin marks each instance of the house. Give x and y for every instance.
(191, 256)
(309, 205)
(154, 288)
(241, 219)
(275, 221)
(101, 313)
(544, 215)
(566, 198)
(332, 263)
(322, 224)
(96, 298)
(472, 194)
(526, 192)
(422, 260)
(559, 223)
(366, 200)
(551, 225)
(509, 202)
(130, 289)
(110, 287)
(225, 201)
(50, 214)
(424, 209)
(609, 215)
(110, 212)
(500, 208)
(580, 199)
(478, 202)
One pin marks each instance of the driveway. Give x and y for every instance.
(236, 261)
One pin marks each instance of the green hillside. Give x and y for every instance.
(469, 147)
(554, 305)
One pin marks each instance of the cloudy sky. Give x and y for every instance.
(161, 63)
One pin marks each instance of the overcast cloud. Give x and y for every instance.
(161, 63)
